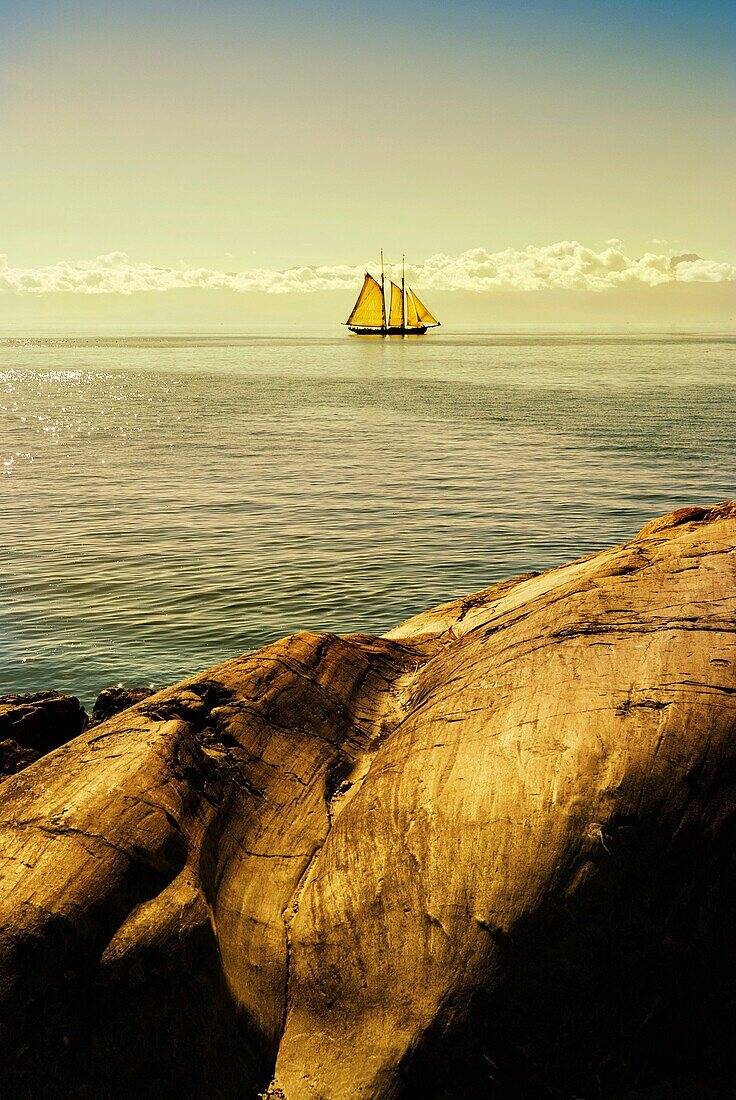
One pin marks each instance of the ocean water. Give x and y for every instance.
(169, 502)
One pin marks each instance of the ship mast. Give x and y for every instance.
(383, 297)
(403, 280)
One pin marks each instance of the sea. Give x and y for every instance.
(170, 501)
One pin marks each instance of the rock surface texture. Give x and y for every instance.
(488, 855)
(33, 724)
(112, 700)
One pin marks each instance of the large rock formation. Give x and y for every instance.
(488, 855)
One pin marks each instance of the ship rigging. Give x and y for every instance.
(407, 315)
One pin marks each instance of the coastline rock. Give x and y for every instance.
(33, 724)
(489, 855)
(112, 700)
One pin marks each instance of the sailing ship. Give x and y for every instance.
(406, 314)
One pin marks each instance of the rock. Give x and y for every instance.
(14, 757)
(112, 700)
(490, 855)
(32, 725)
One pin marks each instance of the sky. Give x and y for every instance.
(247, 139)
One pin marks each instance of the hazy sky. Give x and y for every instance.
(249, 135)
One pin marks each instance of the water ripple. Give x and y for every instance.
(170, 502)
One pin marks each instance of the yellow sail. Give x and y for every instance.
(412, 317)
(396, 312)
(425, 317)
(369, 310)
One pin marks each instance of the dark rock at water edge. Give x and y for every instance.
(31, 725)
(113, 700)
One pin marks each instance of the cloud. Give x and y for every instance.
(566, 265)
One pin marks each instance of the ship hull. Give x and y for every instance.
(360, 331)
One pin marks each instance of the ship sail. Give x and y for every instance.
(412, 317)
(369, 311)
(406, 312)
(396, 311)
(425, 317)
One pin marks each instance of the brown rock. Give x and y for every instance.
(489, 855)
(32, 725)
(14, 757)
(112, 700)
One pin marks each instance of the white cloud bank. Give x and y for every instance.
(566, 265)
